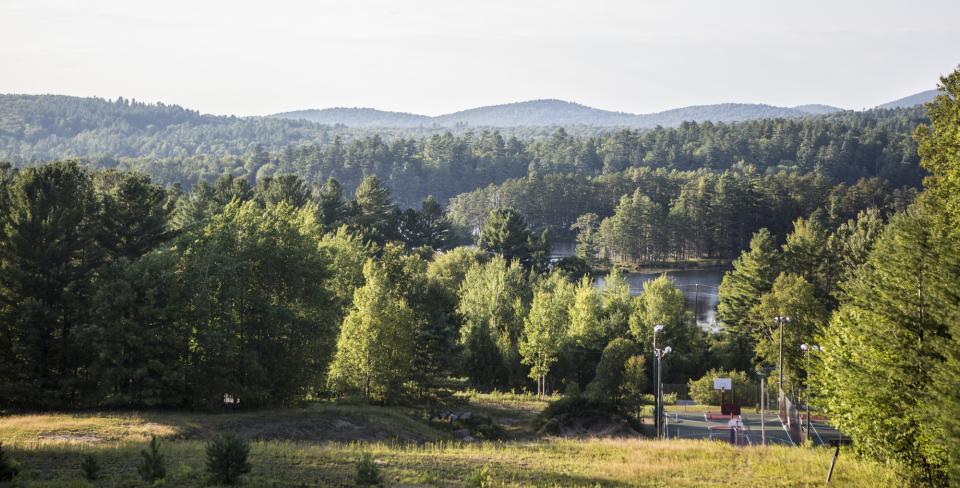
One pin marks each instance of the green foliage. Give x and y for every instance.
(611, 383)
(9, 468)
(544, 328)
(662, 303)
(751, 277)
(368, 473)
(634, 382)
(505, 233)
(376, 346)
(261, 322)
(450, 268)
(374, 211)
(744, 389)
(939, 148)
(227, 459)
(879, 351)
(587, 324)
(587, 227)
(48, 253)
(793, 297)
(493, 300)
(90, 468)
(153, 465)
(480, 478)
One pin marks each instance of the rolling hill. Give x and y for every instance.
(541, 113)
(915, 99)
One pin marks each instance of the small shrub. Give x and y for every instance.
(9, 469)
(481, 478)
(368, 474)
(669, 398)
(153, 467)
(227, 459)
(90, 468)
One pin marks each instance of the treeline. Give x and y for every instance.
(36, 128)
(116, 291)
(641, 215)
(870, 315)
(186, 148)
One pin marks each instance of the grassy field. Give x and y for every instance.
(309, 447)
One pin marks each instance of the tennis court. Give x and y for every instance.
(706, 425)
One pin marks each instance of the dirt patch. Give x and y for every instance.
(312, 426)
(70, 437)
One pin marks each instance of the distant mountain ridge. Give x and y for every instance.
(909, 101)
(552, 112)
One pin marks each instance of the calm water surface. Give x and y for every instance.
(699, 286)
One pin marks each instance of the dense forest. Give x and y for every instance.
(841, 147)
(345, 270)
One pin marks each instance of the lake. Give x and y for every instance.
(699, 286)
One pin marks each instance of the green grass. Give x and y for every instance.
(303, 447)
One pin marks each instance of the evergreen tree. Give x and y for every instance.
(48, 255)
(587, 227)
(505, 233)
(752, 276)
(375, 213)
(332, 208)
(879, 353)
(287, 188)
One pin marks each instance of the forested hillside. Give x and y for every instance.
(842, 147)
(44, 127)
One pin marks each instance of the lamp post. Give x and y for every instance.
(659, 354)
(656, 375)
(806, 348)
(781, 320)
(762, 373)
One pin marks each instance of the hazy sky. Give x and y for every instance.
(436, 56)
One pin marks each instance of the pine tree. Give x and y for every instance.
(879, 353)
(48, 254)
(751, 277)
(505, 233)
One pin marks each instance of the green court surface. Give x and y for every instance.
(700, 425)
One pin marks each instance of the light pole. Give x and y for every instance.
(659, 354)
(656, 375)
(762, 373)
(781, 320)
(806, 348)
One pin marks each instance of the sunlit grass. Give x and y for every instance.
(51, 446)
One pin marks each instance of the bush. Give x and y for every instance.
(9, 469)
(744, 389)
(608, 382)
(368, 474)
(227, 459)
(669, 398)
(90, 468)
(481, 478)
(152, 468)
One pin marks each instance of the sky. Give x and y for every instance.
(439, 56)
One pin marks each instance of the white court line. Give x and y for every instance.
(787, 431)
